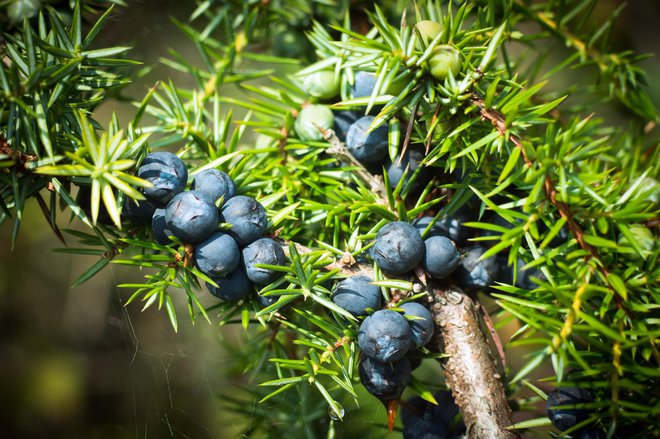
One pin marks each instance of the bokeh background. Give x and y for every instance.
(75, 362)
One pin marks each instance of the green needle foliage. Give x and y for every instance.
(516, 132)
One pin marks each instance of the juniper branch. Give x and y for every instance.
(471, 368)
(498, 121)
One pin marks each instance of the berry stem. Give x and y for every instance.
(391, 407)
(189, 251)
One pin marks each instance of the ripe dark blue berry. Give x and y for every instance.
(265, 301)
(385, 336)
(453, 226)
(191, 217)
(159, 228)
(343, 121)
(421, 224)
(247, 218)
(367, 146)
(592, 433)
(410, 161)
(356, 294)
(475, 275)
(138, 214)
(364, 84)
(399, 248)
(565, 418)
(263, 251)
(415, 359)
(167, 173)
(441, 256)
(499, 221)
(422, 323)
(421, 419)
(218, 255)
(386, 381)
(215, 184)
(84, 199)
(529, 279)
(234, 287)
(505, 272)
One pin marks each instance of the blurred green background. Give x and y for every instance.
(77, 363)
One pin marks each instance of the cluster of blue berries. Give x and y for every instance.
(439, 246)
(230, 257)
(473, 274)
(386, 337)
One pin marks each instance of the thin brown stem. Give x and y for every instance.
(409, 128)
(189, 254)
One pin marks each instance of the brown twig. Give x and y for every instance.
(470, 369)
(409, 128)
(189, 254)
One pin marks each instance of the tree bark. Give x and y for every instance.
(471, 369)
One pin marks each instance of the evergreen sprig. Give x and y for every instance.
(579, 200)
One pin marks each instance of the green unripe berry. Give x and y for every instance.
(428, 30)
(444, 59)
(310, 119)
(321, 85)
